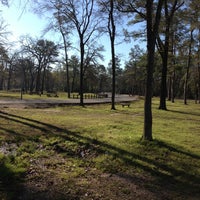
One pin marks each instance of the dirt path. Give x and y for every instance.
(38, 103)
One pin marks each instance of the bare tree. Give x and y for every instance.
(109, 12)
(60, 23)
(112, 34)
(66, 46)
(150, 11)
(80, 14)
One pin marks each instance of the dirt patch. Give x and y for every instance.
(45, 181)
(55, 177)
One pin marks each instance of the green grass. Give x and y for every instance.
(17, 95)
(75, 145)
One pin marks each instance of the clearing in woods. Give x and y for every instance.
(72, 152)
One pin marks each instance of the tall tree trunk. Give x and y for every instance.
(173, 86)
(82, 52)
(37, 87)
(9, 77)
(67, 70)
(73, 79)
(111, 28)
(164, 55)
(163, 88)
(113, 78)
(169, 88)
(147, 134)
(173, 50)
(188, 68)
(169, 14)
(31, 88)
(152, 31)
(1, 83)
(67, 65)
(43, 80)
(25, 82)
(199, 83)
(66, 60)
(198, 71)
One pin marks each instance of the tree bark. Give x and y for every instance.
(37, 88)
(111, 28)
(82, 53)
(188, 68)
(169, 88)
(163, 88)
(43, 80)
(9, 77)
(147, 134)
(173, 86)
(152, 31)
(66, 64)
(198, 71)
(199, 83)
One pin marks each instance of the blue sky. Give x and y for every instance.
(21, 22)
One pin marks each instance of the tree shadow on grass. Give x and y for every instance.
(11, 182)
(176, 149)
(184, 113)
(165, 177)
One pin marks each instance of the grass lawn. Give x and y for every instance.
(97, 153)
(17, 95)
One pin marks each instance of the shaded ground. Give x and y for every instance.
(56, 177)
(91, 184)
(51, 178)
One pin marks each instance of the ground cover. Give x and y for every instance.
(17, 95)
(93, 152)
